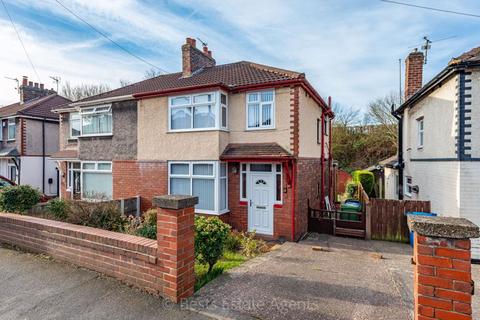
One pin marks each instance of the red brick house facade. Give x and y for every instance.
(247, 139)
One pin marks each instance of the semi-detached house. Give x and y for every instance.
(247, 139)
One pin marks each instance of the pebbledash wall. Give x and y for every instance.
(164, 266)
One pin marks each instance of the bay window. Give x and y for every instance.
(198, 112)
(96, 180)
(261, 110)
(207, 180)
(96, 120)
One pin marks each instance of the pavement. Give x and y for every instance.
(37, 287)
(343, 279)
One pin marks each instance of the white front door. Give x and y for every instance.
(260, 209)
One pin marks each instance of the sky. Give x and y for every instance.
(348, 49)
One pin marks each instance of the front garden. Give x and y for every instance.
(217, 247)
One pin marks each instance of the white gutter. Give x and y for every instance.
(94, 102)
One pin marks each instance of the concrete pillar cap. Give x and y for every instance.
(175, 202)
(443, 227)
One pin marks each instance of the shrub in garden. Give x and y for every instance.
(351, 190)
(252, 247)
(210, 237)
(58, 208)
(234, 241)
(18, 198)
(104, 215)
(148, 227)
(366, 178)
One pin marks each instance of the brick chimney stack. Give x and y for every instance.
(413, 73)
(30, 90)
(193, 59)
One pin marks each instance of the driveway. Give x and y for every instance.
(36, 287)
(343, 279)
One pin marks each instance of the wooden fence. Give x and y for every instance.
(386, 218)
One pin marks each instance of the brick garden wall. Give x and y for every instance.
(164, 267)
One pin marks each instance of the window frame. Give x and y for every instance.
(408, 186)
(1, 129)
(319, 130)
(216, 177)
(10, 165)
(92, 110)
(70, 124)
(95, 170)
(420, 133)
(216, 104)
(260, 104)
(9, 123)
(326, 120)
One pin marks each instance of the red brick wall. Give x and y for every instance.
(442, 278)
(165, 268)
(308, 177)
(145, 178)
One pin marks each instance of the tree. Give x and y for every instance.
(379, 111)
(152, 73)
(83, 90)
(124, 83)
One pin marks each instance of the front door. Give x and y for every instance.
(260, 209)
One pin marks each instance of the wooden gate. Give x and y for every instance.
(334, 222)
(387, 218)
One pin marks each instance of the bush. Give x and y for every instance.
(103, 215)
(252, 247)
(148, 227)
(366, 178)
(234, 241)
(18, 198)
(58, 208)
(210, 237)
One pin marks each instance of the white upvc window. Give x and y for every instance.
(96, 121)
(1, 129)
(197, 112)
(74, 177)
(260, 110)
(206, 180)
(12, 171)
(12, 129)
(96, 180)
(408, 186)
(276, 170)
(420, 128)
(75, 121)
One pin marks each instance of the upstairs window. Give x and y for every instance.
(97, 120)
(326, 121)
(420, 132)
(12, 129)
(223, 111)
(261, 110)
(193, 112)
(75, 124)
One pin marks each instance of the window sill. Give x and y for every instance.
(260, 129)
(420, 148)
(106, 135)
(195, 130)
(211, 213)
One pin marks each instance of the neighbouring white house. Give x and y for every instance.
(29, 135)
(439, 138)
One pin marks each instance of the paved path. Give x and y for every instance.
(295, 282)
(36, 287)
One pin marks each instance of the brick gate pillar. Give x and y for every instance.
(175, 244)
(443, 284)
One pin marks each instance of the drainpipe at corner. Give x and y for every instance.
(322, 161)
(400, 153)
(293, 198)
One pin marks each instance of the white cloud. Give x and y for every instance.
(348, 51)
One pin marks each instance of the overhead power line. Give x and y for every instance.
(110, 39)
(433, 9)
(21, 41)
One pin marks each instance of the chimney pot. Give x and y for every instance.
(205, 49)
(210, 53)
(24, 81)
(42, 86)
(191, 42)
(36, 84)
(30, 83)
